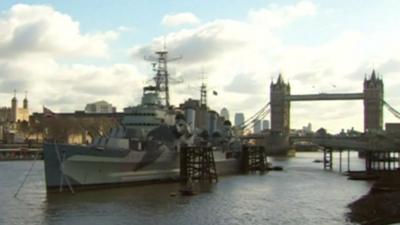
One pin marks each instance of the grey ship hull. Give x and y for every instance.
(84, 166)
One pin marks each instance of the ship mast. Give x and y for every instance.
(203, 95)
(162, 76)
(203, 91)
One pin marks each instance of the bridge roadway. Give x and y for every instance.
(359, 143)
(364, 142)
(324, 96)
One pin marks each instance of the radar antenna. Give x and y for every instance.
(162, 76)
(203, 91)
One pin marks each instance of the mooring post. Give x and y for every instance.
(245, 159)
(328, 158)
(348, 160)
(340, 160)
(388, 160)
(183, 164)
(261, 156)
(368, 165)
(398, 160)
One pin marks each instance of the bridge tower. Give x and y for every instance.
(373, 103)
(280, 106)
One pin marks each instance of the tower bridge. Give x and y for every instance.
(381, 149)
(280, 103)
(372, 96)
(277, 140)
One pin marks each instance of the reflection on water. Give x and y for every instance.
(302, 194)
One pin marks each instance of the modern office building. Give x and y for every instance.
(225, 113)
(239, 119)
(257, 126)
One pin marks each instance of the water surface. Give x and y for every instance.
(302, 194)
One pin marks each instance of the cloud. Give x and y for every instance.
(277, 17)
(242, 56)
(179, 19)
(238, 58)
(219, 42)
(390, 66)
(231, 50)
(70, 87)
(245, 83)
(199, 44)
(37, 39)
(39, 29)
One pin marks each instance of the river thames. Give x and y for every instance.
(301, 194)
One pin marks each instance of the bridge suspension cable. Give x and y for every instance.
(260, 114)
(252, 123)
(253, 117)
(391, 109)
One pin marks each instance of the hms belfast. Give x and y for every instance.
(145, 146)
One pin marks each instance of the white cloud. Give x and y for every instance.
(179, 19)
(230, 50)
(39, 29)
(36, 38)
(69, 87)
(240, 58)
(275, 17)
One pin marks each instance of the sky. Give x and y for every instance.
(66, 54)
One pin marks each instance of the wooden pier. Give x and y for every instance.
(197, 164)
(375, 161)
(328, 158)
(382, 161)
(254, 158)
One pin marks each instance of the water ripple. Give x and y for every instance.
(302, 194)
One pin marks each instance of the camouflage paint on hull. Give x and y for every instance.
(88, 166)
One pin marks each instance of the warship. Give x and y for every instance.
(144, 147)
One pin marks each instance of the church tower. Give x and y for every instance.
(373, 103)
(280, 107)
(14, 107)
(25, 102)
